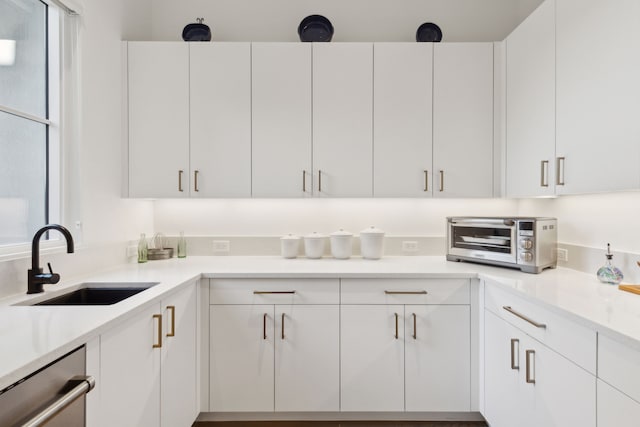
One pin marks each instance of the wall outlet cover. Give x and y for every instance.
(409, 246)
(221, 246)
(563, 254)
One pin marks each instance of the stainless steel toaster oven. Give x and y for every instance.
(526, 243)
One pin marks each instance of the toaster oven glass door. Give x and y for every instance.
(492, 241)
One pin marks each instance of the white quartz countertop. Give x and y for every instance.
(33, 336)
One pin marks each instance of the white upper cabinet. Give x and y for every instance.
(598, 95)
(531, 103)
(463, 119)
(281, 120)
(158, 103)
(402, 117)
(343, 119)
(220, 105)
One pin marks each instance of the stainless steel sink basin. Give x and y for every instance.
(97, 293)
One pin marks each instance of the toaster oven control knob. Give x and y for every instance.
(526, 243)
(526, 256)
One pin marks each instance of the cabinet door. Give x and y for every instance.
(307, 369)
(506, 398)
(463, 119)
(241, 352)
(437, 358)
(616, 409)
(220, 98)
(598, 95)
(556, 378)
(531, 105)
(372, 357)
(130, 372)
(281, 119)
(402, 116)
(179, 368)
(158, 98)
(342, 119)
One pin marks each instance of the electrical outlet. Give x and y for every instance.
(409, 246)
(563, 254)
(221, 246)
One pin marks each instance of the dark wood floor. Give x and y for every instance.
(340, 424)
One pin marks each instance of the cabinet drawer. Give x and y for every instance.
(275, 291)
(616, 409)
(619, 365)
(405, 291)
(572, 340)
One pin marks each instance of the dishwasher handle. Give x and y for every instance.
(76, 387)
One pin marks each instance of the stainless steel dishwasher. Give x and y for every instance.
(53, 395)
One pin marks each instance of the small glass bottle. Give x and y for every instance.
(143, 249)
(182, 246)
(609, 273)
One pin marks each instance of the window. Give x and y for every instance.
(28, 118)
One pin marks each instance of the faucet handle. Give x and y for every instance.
(50, 269)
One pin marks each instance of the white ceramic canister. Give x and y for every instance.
(289, 246)
(372, 243)
(341, 244)
(314, 245)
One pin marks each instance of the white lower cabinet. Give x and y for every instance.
(529, 384)
(405, 345)
(148, 367)
(286, 350)
(616, 409)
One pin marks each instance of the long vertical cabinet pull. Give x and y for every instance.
(441, 181)
(396, 335)
(172, 309)
(304, 181)
(415, 329)
(283, 326)
(180, 172)
(514, 341)
(195, 181)
(544, 173)
(264, 326)
(426, 180)
(560, 171)
(319, 181)
(158, 344)
(531, 370)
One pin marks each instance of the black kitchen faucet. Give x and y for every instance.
(36, 277)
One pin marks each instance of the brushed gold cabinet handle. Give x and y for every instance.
(195, 180)
(525, 318)
(264, 326)
(158, 317)
(441, 181)
(396, 335)
(273, 292)
(319, 181)
(560, 171)
(304, 181)
(172, 309)
(530, 378)
(544, 173)
(415, 330)
(426, 180)
(423, 292)
(282, 333)
(514, 341)
(180, 172)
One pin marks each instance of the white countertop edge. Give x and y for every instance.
(192, 271)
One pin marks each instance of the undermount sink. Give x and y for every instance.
(107, 293)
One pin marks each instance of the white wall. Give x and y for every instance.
(398, 217)
(593, 220)
(353, 20)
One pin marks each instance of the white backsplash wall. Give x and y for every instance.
(276, 217)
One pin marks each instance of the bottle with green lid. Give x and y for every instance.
(143, 249)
